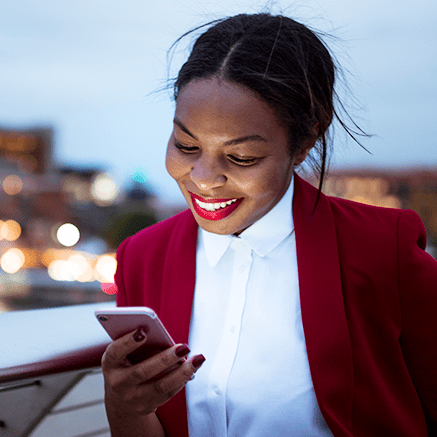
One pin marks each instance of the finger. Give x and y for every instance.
(116, 352)
(197, 361)
(170, 384)
(161, 363)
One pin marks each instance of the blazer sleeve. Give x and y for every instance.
(418, 297)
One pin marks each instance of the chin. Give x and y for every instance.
(215, 227)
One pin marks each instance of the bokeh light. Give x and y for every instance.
(12, 260)
(12, 185)
(50, 255)
(104, 189)
(32, 258)
(105, 268)
(80, 268)
(60, 271)
(68, 234)
(67, 265)
(10, 230)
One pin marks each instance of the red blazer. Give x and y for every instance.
(368, 296)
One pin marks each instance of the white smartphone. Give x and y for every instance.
(120, 321)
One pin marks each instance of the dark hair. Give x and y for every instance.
(283, 61)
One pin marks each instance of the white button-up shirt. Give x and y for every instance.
(247, 322)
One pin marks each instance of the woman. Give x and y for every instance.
(316, 315)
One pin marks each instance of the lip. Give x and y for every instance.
(214, 215)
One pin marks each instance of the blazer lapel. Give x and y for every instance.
(323, 313)
(179, 278)
(175, 311)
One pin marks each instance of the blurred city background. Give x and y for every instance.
(83, 130)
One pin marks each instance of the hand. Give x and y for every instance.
(139, 389)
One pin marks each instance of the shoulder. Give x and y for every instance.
(377, 222)
(355, 211)
(355, 220)
(390, 242)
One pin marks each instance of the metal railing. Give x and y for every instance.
(50, 377)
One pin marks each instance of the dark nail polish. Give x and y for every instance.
(139, 335)
(182, 350)
(198, 361)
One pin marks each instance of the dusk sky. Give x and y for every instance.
(89, 69)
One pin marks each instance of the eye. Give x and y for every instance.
(185, 149)
(243, 161)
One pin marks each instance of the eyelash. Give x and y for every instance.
(234, 159)
(184, 148)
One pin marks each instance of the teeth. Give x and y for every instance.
(214, 206)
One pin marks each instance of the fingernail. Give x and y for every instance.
(139, 335)
(182, 350)
(198, 361)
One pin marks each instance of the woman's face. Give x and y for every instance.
(229, 154)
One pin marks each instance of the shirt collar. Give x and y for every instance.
(262, 237)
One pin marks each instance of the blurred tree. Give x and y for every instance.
(120, 226)
(139, 191)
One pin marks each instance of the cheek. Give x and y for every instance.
(266, 186)
(172, 163)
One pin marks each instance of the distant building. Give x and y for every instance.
(39, 264)
(31, 150)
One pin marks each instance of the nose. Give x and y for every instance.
(208, 173)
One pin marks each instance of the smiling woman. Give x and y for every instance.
(228, 146)
(316, 315)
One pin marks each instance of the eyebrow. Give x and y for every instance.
(232, 142)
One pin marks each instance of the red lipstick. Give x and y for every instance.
(217, 213)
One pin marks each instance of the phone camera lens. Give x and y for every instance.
(103, 318)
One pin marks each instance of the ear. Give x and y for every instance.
(307, 146)
(302, 154)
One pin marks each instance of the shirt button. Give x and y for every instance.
(216, 390)
(232, 329)
(242, 269)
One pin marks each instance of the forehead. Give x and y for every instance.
(224, 107)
